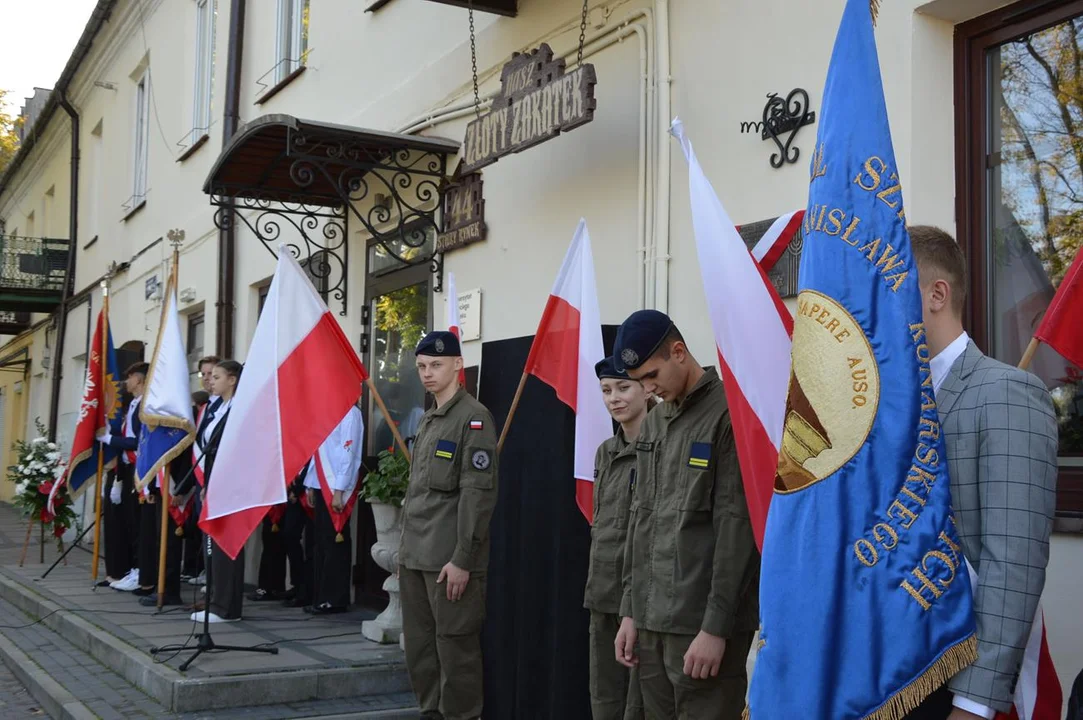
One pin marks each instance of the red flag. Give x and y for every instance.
(566, 347)
(1060, 328)
(100, 409)
(276, 422)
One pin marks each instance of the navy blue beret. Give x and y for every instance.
(607, 369)
(639, 337)
(439, 343)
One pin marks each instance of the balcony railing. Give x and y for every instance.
(33, 264)
(13, 323)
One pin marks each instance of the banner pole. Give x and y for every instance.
(387, 416)
(511, 413)
(1028, 355)
(163, 536)
(101, 450)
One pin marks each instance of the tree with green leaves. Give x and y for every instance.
(9, 138)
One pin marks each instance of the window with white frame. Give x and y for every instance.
(206, 11)
(140, 135)
(95, 187)
(291, 43)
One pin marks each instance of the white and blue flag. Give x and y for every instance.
(166, 410)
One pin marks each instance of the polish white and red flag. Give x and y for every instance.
(276, 421)
(777, 238)
(454, 325)
(1038, 694)
(566, 347)
(752, 332)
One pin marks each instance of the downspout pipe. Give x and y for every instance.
(69, 280)
(225, 307)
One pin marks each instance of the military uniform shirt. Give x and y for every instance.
(452, 489)
(691, 561)
(614, 479)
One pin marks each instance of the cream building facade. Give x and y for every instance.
(151, 85)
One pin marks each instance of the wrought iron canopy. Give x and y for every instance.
(280, 171)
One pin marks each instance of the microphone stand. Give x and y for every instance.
(204, 641)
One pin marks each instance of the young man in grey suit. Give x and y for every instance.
(1001, 439)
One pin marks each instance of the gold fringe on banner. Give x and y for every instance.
(179, 532)
(874, 8)
(953, 660)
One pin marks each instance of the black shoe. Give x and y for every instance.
(297, 603)
(324, 609)
(104, 583)
(152, 600)
(262, 595)
(289, 594)
(141, 592)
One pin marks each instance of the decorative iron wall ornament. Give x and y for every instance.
(299, 183)
(786, 118)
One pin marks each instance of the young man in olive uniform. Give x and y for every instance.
(614, 689)
(444, 554)
(691, 570)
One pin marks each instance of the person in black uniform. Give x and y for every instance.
(341, 452)
(127, 443)
(192, 564)
(225, 576)
(120, 512)
(297, 523)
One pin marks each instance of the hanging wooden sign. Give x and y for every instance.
(537, 102)
(464, 214)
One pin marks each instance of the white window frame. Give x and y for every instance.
(140, 139)
(96, 184)
(203, 87)
(290, 43)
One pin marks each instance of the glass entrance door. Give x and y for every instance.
(399, 318)
(398, 311)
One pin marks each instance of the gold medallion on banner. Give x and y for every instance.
(833, 397)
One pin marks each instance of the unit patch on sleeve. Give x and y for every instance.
(477, 425)
(700, 455)
(445, 449)
(481, 460)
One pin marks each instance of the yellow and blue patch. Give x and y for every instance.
(700, 455)
(445, 449)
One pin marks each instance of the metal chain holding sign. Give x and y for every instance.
(582, 34)
(474, 58)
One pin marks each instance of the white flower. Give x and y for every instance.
(38, 441)
(53, 456)
(27, 471)
(51, 446)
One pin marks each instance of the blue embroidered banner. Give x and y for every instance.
(865, 597)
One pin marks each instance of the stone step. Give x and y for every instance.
(380, 681)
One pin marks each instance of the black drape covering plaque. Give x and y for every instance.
(536, 631)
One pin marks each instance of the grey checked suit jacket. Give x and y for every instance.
(1001, 435)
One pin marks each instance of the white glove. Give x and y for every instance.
(114, 493)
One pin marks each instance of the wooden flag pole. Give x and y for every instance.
(26, 543)
(387, 416)
(511, 413)
(163, 536)
(1028, 355)
(101, 451)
